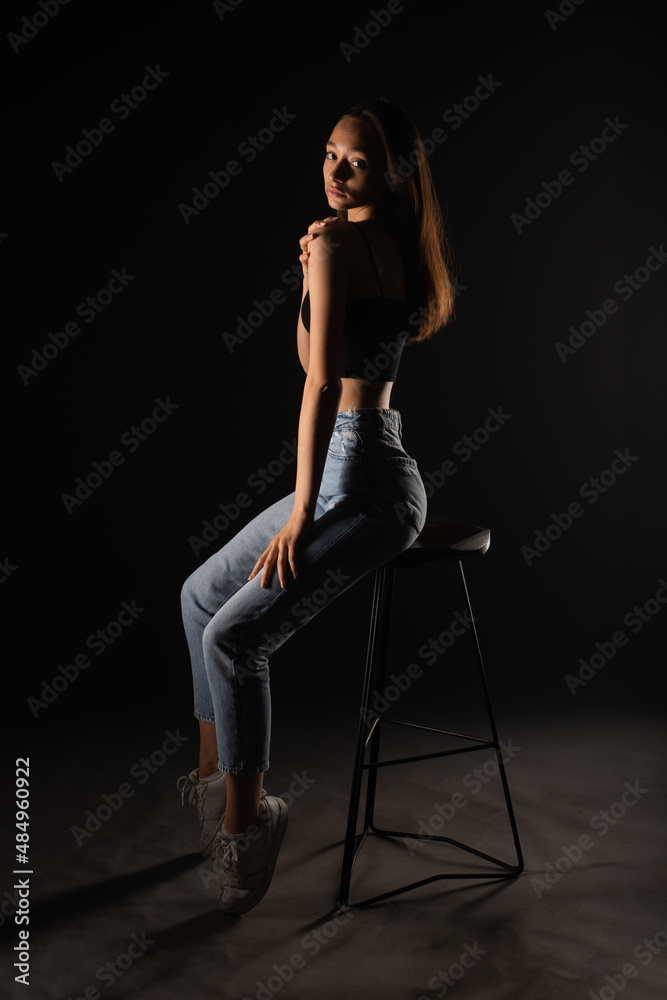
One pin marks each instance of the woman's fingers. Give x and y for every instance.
(267, 570)
(269, 560)
(258, 565)
(313, 230)
(292, 563)
(286, 558)
(321, 223)
(280, 554)
(280, 566)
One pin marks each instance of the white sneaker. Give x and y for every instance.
(210, 797)
(247, 861)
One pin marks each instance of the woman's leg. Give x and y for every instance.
(243, 795)
(208, 749)
(207, 589)
(203, 594)
(346, 542)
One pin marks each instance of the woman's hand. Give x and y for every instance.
(313, 229)
(282, 549)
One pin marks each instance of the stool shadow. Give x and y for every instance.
(414, 898)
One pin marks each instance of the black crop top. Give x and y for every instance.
(374, 332)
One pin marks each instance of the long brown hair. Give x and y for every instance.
(416, 212)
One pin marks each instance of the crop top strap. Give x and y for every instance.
(378, 269)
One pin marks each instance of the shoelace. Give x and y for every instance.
(227, 854)
(194, 792)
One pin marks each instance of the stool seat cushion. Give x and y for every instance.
(444, 538)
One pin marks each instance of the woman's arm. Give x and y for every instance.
(327, 277)
(328, 268)
(302, 335)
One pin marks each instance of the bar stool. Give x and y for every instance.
(441, 539)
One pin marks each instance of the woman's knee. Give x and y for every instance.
(234, 649)
(191, 592)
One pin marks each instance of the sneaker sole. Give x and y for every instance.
(262, 888)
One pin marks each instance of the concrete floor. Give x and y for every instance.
(131, 910)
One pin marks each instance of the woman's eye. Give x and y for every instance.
(355, 163)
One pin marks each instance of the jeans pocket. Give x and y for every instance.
(346, 444)
(405, 473)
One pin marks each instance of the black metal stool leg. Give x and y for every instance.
(494, 731)
(381, 645)
(369, 729)
(357, 772)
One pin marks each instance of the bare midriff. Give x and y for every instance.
(359, 394)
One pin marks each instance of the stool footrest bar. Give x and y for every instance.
(432, 729)
(422, 756)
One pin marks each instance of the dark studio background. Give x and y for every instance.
(67, 575)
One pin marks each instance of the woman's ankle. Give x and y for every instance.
(207, 768)
(238, 825)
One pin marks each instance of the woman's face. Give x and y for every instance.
(354, 170)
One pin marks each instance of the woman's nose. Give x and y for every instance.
(338, 171)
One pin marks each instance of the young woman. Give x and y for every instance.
(375, 274)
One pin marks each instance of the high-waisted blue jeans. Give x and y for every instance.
(371, 506)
